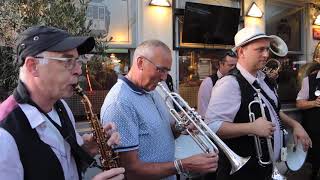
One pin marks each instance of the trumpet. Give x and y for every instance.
(188, 115)
(272, 68)
(275, 172)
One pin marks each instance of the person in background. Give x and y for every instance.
(308, 101)
(169, 82)
(226, 63)
(146, 132)
(37, 127)
(228, 112)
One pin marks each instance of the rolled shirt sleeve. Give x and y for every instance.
(126, 121)
(223, 106)
(304, 91)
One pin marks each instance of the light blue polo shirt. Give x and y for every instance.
(142, 120)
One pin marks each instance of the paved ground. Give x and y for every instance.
(303, 174)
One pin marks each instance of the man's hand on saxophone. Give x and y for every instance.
(90, 145)
(112, 174)
(92, 148)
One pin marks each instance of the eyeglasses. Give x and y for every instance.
(159, 68)
(69, 63)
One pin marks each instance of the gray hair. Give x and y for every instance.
(22, 69)
(149, 44)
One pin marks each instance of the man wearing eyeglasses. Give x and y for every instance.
(226, 63)
(37, 128)
(143, 121)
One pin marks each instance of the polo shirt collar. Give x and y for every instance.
(133, 87)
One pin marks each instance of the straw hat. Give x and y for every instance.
(248, 34)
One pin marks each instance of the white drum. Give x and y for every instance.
(185, 147)
(295, 155)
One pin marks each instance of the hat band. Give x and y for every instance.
(262, 34)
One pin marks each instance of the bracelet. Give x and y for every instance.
(176, 165)
(181, 167)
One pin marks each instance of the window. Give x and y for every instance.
(286, 21)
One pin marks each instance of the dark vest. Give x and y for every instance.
(311, 124)
(310, 116)
(38, 160)
(244, 146)
(214, 78)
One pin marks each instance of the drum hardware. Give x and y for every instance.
(295, 155)
(187, 116)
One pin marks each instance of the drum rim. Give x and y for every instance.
(299, 167)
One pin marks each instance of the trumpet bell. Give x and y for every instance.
(278, 46)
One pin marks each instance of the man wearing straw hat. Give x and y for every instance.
(228, 112)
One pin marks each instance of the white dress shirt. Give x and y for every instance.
(304, 91)
(204, 94)
(10, 164)
(225, 102)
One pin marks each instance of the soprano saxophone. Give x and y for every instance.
(108, 159)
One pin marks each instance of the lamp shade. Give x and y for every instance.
(254, 11)
(164, 3)
(317, 21)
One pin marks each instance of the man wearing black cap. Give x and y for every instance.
(37, 128)
(228, 110)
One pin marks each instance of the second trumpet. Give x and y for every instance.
(206, 138)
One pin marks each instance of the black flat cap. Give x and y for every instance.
(37, 39)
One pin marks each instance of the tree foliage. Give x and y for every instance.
(18, 15)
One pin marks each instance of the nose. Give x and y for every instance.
(266, 52)
(164, 76)
(77, 70)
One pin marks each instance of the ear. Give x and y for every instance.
(240, 51)
(31, 65)
(140, 63)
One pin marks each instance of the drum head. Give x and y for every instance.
(185, 146)
(296, 157)
(295, 154)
